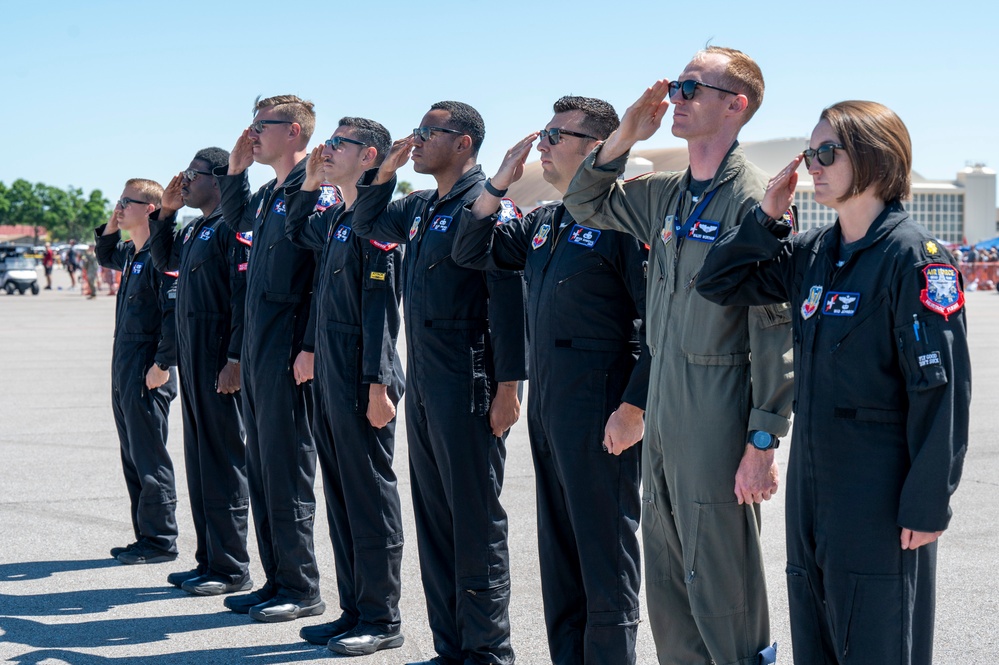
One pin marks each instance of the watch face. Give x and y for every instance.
(762, 440)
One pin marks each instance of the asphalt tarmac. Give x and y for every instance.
(63, 505)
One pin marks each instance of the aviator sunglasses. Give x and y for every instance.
(825, 154)
(689, 87)
(424, 133)
(334, 142)
(555, 135)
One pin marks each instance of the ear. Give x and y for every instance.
(294, 130)
(738, 104)
(370, 154)
(465, 143)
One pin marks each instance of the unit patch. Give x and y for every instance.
(704, 231)
(841, 303)
(188, 233)
(414, 228)
(811, 304)
(541, 237)
(580, 235)
(342, 233)
(328, 197)
(280, 208)
(440, 223)
(507, 212)
(666, 235)
(206, 233)
(943, 293)
(246, 238)
(137, 267)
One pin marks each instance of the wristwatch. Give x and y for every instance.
(763, 440)
(164, 367)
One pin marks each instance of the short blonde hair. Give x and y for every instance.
(741, 75)
(150, 190)
(293, 109)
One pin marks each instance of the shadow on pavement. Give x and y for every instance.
(112, 632)
(36, 570)
(90, 601)
(277, 653)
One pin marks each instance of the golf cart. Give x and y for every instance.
(17, 273)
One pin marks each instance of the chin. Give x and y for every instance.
(420, 167)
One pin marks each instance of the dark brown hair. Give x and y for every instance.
(878, 145)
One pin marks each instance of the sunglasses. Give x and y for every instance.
(424, 133)
(555, 135)
(689, 87)
(191, 175)
(259, 125)
(335, 142)
(825, 154)
(124, 201)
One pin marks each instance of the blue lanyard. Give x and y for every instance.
(683, 229)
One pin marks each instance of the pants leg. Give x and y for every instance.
(132, 484)
(255, 479)
(192, 463)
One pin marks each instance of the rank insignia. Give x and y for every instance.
(943, 293)
(840, 303)
(206, 233)
(507, 212)
(280, 208)
(541, 237)
(328, 197)
(188, 233)
(811, 305)
(246, 238)
(704, 231)
(580, 235)
(414, 228)
(341, 233)
(137, 267)
(931, 247)
(440, 223)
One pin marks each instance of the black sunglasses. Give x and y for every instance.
(689, 87)
(335, 141)
(555, 135)
(258, 125)
(424, 133)
(124, 201)
(825, 154)
(192, 174)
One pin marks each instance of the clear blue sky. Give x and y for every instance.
(95, 93)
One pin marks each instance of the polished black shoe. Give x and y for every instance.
(321, 634)
(437, 660)
(115, 551)
(242, 604)
(145, 554)
(365, 639)
(177, 579)
(281, 608)
(215, 585)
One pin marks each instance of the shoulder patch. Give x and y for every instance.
(329, 196)
(507, 212)
(384, 246)
(246, 238)
(943, 293)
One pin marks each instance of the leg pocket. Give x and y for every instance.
(874, 620)
(715, 564)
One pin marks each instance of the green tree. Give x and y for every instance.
(404, 188)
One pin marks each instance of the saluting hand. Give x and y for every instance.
(780, 190)
(172, 199)
(314, 173)
(242, 154)
(640, 121)
(398, 155)
(113, 221)
(512, 168)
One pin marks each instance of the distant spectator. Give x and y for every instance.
(72, 263)
(88, 263)
(48, 260)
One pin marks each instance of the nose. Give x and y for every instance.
(815, 168)
(543, 144)
(327, 151)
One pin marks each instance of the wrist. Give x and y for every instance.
(495, 190)
(311, 184)
(507, 385)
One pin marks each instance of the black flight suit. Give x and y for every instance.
(464, 333)
(585, 303)
(881, 394)
(144, 334)
(277, 413)
(211, 287)
(356, 301)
